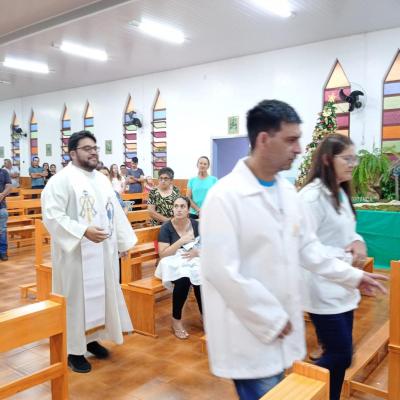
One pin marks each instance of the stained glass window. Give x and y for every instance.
(159, 135)
(391, 109)
(337, 81)
(88, 120)
(65, 134)
(33, 129)
(130, 134)
(15, 143)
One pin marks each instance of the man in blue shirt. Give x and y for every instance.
(5, 188)
(135, 177)
(36, 172)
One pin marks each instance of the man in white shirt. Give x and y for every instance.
(255, 235)
(88, 228)
(13, 171)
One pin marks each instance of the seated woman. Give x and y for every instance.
(179, 265)
(162, 197)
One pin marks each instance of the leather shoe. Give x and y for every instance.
(97, 350)
(79, 363)
(3, 257)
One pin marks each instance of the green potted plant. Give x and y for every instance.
(371, 173)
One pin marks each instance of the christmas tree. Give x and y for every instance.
(326, 124)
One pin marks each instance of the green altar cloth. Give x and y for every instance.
(381, 232)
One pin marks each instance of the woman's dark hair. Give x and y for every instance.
(166, 171)
(77, 136)
(322, 166)
(206, 158)
(53, 165)
(186, 199)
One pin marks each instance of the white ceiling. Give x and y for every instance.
(216, 30)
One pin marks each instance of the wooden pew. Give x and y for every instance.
(140, 298)
(30, 193)
(28, 324)
(306, 382)
(24, 207)
(139, 218)
(144, 250)
(390, 332)
(135, 201)
(43, 285)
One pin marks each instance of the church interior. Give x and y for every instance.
(165, 83)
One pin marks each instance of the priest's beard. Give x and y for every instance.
(87, 163)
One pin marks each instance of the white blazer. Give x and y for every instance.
(336, 231)
(250, 263)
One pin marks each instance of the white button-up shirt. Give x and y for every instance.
(336, 230)
(251, 253)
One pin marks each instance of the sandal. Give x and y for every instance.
(180, 333)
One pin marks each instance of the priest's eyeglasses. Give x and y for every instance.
(89, 149)
(350, 160)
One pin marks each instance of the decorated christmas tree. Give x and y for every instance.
(326, 124)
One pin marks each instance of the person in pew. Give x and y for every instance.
(5, 189)
(161, 198)
(37, 174)
(199, 186)
(88, 229)
(327, 194)
(179, 266)
(13, 171)
(53, 170)
(117, 180)
(106, 172)
(135, 178)
(255, 237)
(46, 170)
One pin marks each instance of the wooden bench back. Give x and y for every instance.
(28, 193)
(22, 204)
(306, 382)
(139, 216)
(147, 235)
(41, 234)
(28, 324)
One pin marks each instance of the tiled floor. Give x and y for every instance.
(144, 368)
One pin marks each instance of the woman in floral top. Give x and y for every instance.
(161, 199)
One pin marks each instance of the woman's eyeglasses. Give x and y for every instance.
(350, 160)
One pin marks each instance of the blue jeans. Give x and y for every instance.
(3, 230)
(334, 332)
(254, 389)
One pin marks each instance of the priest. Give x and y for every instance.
(89, 230)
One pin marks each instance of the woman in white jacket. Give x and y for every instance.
(327, 195)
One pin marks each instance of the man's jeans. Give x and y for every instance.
(254, 389)
(3, 230)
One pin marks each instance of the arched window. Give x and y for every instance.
(130, 134)
(88, 120)
(159, 135)
(337, 80)
(15, 149)
(65, 134)
(391, 109)
(33, 129)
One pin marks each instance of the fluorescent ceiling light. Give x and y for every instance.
(277, 7)
(160, 31)
(26, 65)
(83, 51)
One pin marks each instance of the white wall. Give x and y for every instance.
(199, 99)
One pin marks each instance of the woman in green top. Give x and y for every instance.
(199, 186)
(161, 199)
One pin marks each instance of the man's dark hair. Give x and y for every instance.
(267, 116)
(166, 171)
(135, 160)
(76, 137)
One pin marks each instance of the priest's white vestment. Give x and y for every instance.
(86, 273)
